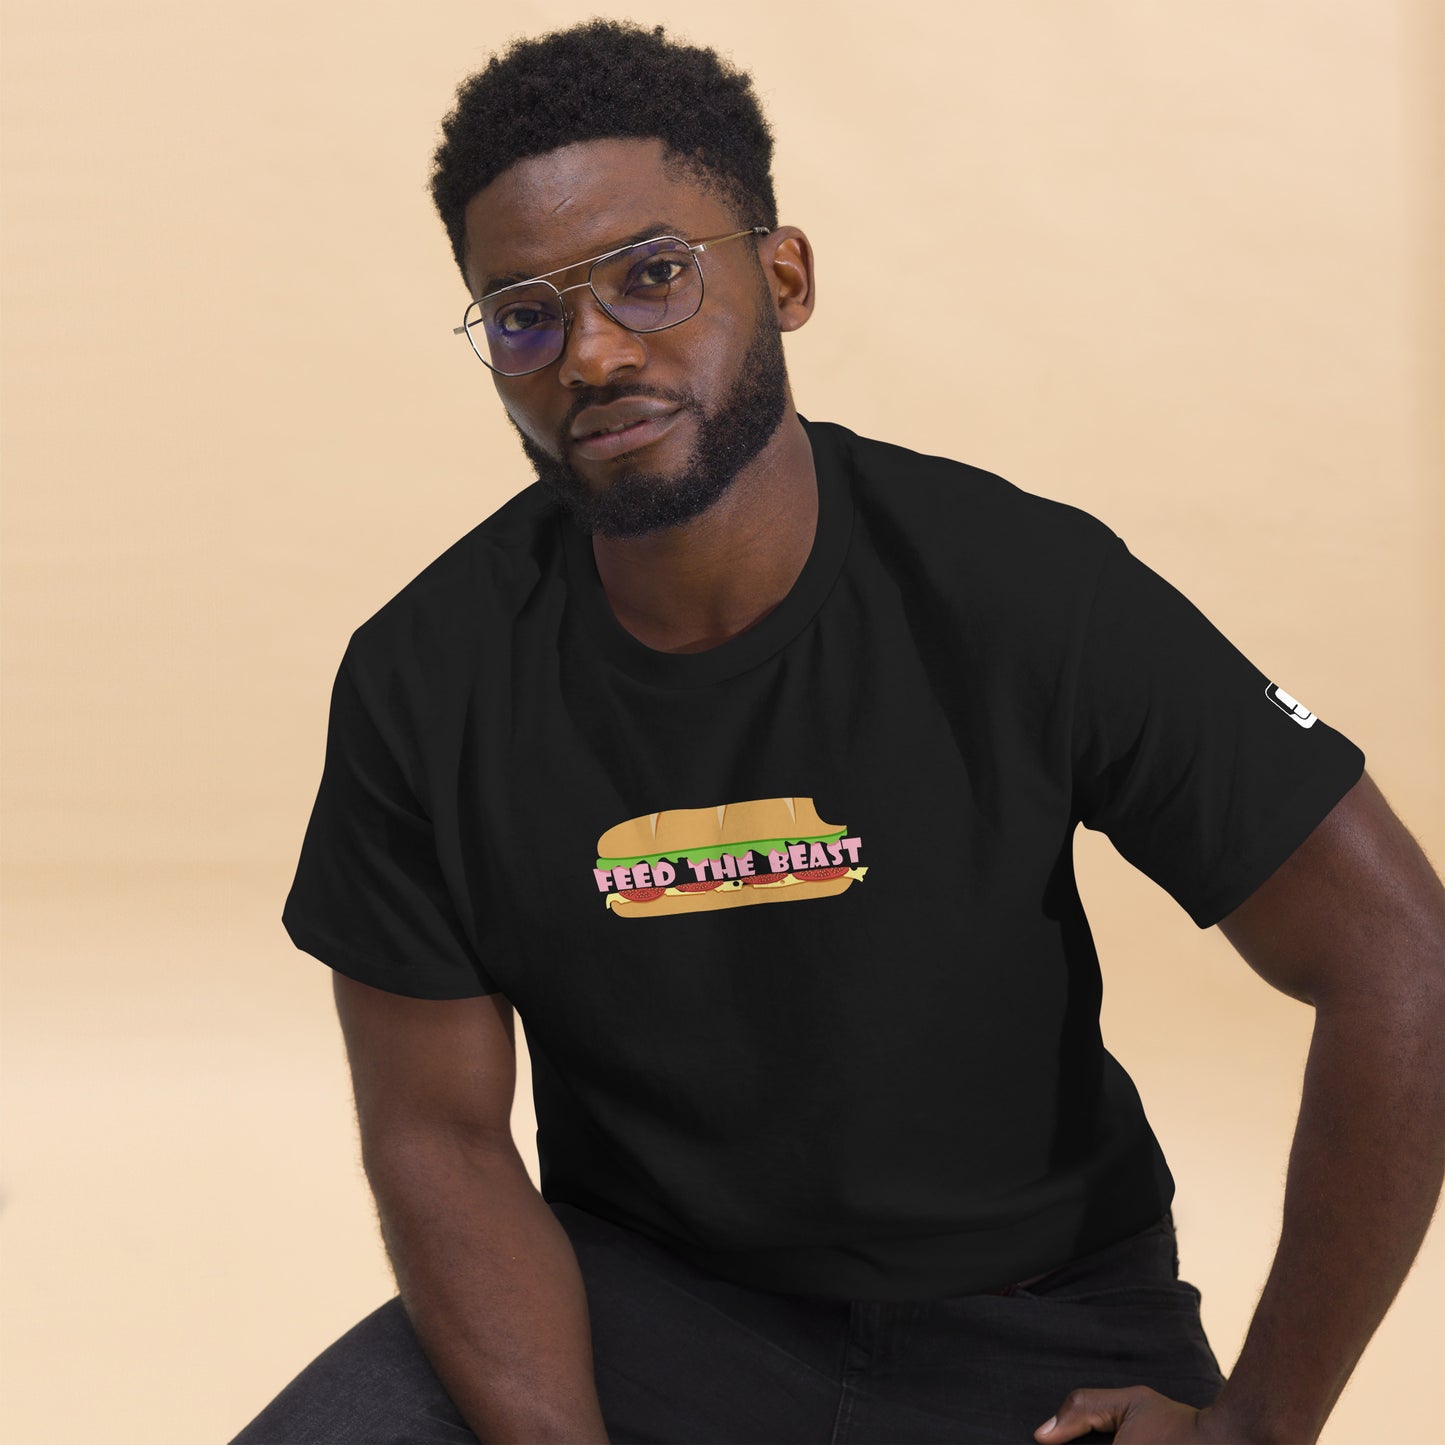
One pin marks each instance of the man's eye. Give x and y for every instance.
(520, 318)
(660, 272)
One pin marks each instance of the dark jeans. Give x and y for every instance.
(682, 1356)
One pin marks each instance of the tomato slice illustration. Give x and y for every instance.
(641, 895)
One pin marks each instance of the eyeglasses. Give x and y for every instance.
(647, 286)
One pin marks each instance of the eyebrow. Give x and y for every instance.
(657, 228)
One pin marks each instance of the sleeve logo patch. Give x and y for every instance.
(1295, 709)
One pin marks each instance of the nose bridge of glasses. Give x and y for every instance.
(580, 286)
(580, 329)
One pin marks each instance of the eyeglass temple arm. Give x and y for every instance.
(718, 240)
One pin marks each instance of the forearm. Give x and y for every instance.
(491, 1285)
(1365, 1171)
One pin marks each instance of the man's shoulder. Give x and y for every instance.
(951, 507)
(468, 591)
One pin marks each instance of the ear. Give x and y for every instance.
(787, 259)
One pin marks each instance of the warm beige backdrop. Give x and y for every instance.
(1192, 285)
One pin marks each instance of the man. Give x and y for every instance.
(743, 755)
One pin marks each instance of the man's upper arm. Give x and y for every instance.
(420, 1067)
(1356, 911)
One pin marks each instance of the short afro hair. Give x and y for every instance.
(598, 80)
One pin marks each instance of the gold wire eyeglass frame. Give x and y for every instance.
(592, 262)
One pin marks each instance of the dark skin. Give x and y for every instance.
(691, 587)
(1352, 924)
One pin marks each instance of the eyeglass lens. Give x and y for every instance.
(647, 287)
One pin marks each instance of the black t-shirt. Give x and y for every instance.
(893, 1087)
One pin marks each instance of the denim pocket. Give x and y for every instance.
(1177, 1294)
(1139, 1270)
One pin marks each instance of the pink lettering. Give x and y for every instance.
(663, 874)
(852, 845)
(777, 861)
(623, 876)
(603, 877)
(798, 854)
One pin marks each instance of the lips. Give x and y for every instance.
(595, 419)
(637, 431)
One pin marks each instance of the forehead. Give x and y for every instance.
(577, 201)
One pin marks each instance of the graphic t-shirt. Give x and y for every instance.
(792, 923)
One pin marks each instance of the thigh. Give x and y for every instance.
(373, 1386)
(993, 1367)
(681, 1356)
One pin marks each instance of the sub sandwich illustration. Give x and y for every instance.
(693, 860)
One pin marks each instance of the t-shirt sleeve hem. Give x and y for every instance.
(355, 964)
(1298, 818)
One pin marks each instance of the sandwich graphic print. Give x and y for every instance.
(694, 860)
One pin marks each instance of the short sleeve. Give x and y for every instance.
(1203, 773)
(369, 898)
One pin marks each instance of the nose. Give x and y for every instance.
(597, 347)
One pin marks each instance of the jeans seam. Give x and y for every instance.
(842, 1415)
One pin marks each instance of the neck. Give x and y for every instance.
(696, 586)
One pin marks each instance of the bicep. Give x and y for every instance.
(1355, 910)
(420, 1067)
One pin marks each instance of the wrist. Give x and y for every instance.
(1231, 1420)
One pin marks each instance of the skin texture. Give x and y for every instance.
(693, 585)
(486, 1273)
(640, 499)
(1352, 925)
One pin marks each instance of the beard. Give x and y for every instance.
(636, 501)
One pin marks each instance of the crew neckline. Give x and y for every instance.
(832, 466)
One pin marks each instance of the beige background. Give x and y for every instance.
(1192, 286)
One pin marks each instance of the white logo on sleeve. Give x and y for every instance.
(1297, 711)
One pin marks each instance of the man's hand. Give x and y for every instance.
(1140, 1416)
